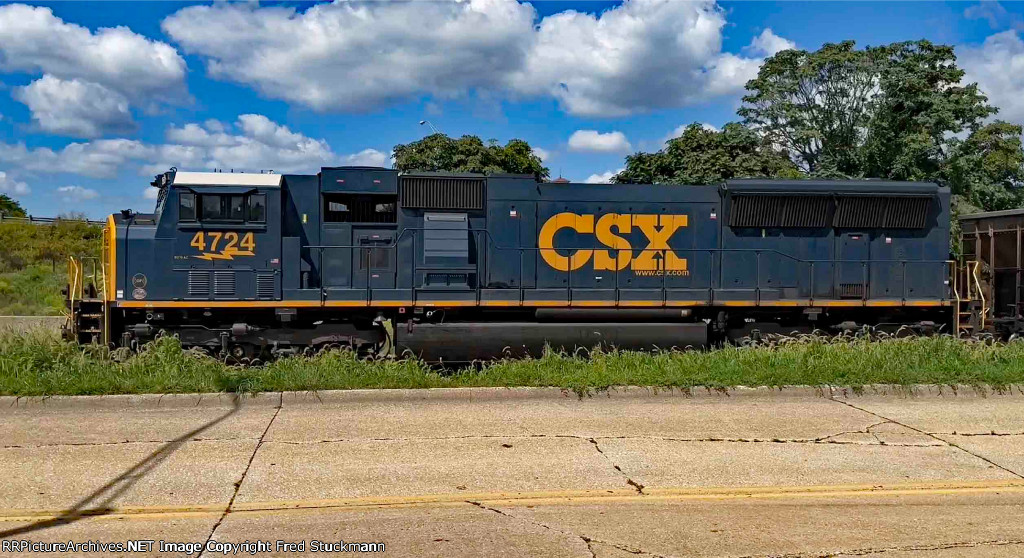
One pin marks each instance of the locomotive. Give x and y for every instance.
(459, 267)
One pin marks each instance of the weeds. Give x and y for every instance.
(39, 364)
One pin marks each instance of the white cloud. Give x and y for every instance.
(542, 154)
(150, 193)
(77, 193)
(98, 158)
(257, 143)
(998, 68)
(89, 78)
(355, 56)
(603, 178)
(32, 39)
(75, 107)
(768, 43)
(10, 186)
(640, 56)
(996, 15)
(367, 158)
(678, 131)
(594, 141)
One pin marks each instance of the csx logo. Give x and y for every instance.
(656, 258)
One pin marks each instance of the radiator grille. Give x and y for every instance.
(224, 283)
(431, 192)
(904, 212)
(780, 211)
(265, 285)
(199, 283)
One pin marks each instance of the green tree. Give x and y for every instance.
(920, 105)
(438, 152)
(986, 170)
(883, 112)
(705, 156)
(10, 207)
(815, 105)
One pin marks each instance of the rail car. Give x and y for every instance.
(993, 243)
(459, 267)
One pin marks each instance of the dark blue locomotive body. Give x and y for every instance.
(470, 266)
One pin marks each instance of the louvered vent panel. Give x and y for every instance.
(447, 279)
(851, 290)
(895, 212)
(431, 192)
(223, 283)
(199, 283)
(766, 211)
(265, 285)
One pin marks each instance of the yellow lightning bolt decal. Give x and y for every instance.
(224, 254)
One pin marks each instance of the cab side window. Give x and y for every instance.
(257, 208)
(186, 206)
(222, 208)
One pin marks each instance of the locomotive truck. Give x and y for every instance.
(458, 267)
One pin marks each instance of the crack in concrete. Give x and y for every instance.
(637, 486)
(820, 440)
(979, 434)
(933, 436)
(588, 541)
(238, 485)
(883, 550)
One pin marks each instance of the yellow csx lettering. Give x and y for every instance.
(657, 257)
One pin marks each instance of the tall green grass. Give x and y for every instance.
(39, 364)
(33, 264)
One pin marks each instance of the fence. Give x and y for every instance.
(45, 220)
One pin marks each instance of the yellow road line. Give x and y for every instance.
(542, 498)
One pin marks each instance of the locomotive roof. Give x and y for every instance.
(226, 179)
(994, 214)
(832, 186)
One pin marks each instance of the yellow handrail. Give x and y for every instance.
(981, 293)
(954, 272)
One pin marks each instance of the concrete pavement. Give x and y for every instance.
(750, 472)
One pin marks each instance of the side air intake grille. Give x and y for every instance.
(432, 192)
(843, 211)
(198, 283)
(780, 211)
(265, 285)
(907, 212)
(223, 283)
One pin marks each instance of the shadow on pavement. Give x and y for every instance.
(98, 503)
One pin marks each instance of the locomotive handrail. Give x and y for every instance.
(490, 242)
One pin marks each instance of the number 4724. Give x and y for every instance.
(231, 242)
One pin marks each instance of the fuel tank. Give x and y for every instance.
(467, 341)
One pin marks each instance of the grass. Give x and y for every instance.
(32, 291)
(38, 364)
(33, 264)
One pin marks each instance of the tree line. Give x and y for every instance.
(896, 112)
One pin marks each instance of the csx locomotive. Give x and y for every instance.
(460, 267)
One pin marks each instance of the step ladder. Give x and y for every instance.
(86, 309)
(971, 307)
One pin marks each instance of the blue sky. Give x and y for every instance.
(98, 96)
